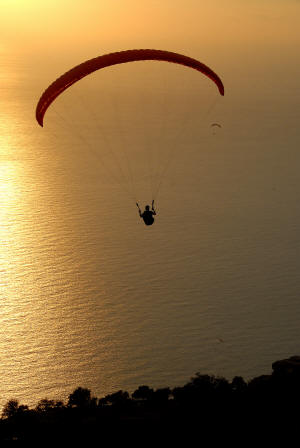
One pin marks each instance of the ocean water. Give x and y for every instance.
(91, 297)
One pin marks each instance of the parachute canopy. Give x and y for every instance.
(216, 124)
(87, 67)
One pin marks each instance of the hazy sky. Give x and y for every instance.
(252, 44)
(219, 31)
(34, 24)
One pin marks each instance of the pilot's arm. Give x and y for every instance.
(153, 211)
(140, 213)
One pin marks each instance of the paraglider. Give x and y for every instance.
(121, 57)
(148, 214)
(82, 70)
(215, 125)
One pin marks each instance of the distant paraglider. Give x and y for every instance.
(214, 126)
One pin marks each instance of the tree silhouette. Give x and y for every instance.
(116, 398)
(143, 393)
(12, 408)
(81, 398)
(46, 405)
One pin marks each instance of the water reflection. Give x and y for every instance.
(89, 298)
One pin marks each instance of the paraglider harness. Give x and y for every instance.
(147, 215)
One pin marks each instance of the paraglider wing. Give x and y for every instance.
(87, 67)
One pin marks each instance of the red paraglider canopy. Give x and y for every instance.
(87, 67)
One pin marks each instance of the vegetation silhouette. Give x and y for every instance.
(209, 404)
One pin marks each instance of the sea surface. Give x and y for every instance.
(90, 296)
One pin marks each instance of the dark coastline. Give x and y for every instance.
(207, 405)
